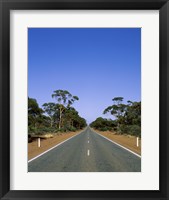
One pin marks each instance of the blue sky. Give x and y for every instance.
(95, 64)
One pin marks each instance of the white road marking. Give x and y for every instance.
(119, 145)
(53, 147)
(88, 141)
(88, 152)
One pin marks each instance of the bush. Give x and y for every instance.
(102, 129)
(44, 130)
(31, 129)
(67, 129)
(72, 129)
(135, 130)
(129, 129)
(51, 129)
(122, 129)
(62, 130)
(105, 128)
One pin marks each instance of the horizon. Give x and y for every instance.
(95, 64)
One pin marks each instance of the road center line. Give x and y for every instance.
(88, 141)
(88, 152)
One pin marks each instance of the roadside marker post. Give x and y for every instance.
(38, 142)
(137, 141)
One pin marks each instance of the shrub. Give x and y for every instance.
(135, 130)
(32, 129)
(44, 130)
(72, 129)
(122, 129)
(103, 129)
(61, 130)
(129, 129)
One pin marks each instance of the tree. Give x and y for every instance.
(33, 107)
(128, 116)
(70, 115)
(118, 100)
(103, 124)
(117, 109)
(34, 113)
(64, 100)
(72, 120)
(133, 113)
(52, 110)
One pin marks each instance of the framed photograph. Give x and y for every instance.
(84, 92)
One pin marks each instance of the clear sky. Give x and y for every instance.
(95, 64)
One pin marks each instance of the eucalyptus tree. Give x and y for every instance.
(117, 109)
(72, 120)
(34, 112)
(70, 115)
(128, 116)
(133, 113)
(103, 124)
(79, 122)
(64, 99)
(52, 110)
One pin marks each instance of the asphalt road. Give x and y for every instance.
(86, 152)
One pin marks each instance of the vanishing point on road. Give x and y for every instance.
(86, 152)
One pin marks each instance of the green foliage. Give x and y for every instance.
(73, 129)
(128, 118)
(133, 113)
(32, 129)
(33, 107)
(103, 124)
(52, 110)
(41, 130)
(123, 129)
(67, 129)
(35, 116)
(118, 99)
(57, 117)
(104, 129)
(117, 109)
(135, 130)
(64, 99)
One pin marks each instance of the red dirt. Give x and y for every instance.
(34, 150)
(124, 140)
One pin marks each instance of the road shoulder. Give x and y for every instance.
(129, 142)
(46, 144)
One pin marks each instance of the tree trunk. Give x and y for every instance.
(60, 121)
(51, 122)
(60, 117)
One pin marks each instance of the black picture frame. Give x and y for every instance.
(5, 7)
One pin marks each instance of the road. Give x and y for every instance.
(86, 152)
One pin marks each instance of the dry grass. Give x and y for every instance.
(127, 141)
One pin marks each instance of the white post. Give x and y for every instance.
(38, 142)
(137, 141)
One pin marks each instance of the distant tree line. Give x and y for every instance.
(127, 118)
(58, 116)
